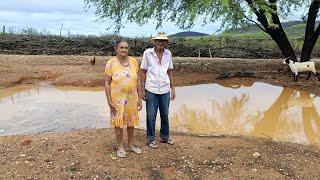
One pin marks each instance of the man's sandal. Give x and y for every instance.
(152, 144)
(121, 154)
(168, 141)
(135, 150)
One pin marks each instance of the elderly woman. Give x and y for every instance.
(122, 89)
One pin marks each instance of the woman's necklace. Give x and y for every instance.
(126, 63)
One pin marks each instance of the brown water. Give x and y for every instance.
(260, 110)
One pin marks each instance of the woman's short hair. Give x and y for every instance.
(116, 44)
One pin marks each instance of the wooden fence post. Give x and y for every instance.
(199, 53)
(135, 46)
(210, 52)
(61, 29)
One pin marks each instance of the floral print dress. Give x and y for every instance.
(124, 91)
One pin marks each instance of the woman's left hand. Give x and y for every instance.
(139, 104)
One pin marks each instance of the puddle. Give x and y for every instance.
(259, 110)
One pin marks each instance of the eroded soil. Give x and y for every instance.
(89, 154)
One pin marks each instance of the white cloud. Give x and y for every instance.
(51, 14)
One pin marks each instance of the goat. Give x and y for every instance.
(297, 67)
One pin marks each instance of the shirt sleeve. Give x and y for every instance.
(144, 62)
(136, 65)
(108, 68)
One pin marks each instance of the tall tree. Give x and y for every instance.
(232, 13)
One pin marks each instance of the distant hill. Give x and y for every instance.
(188, 34)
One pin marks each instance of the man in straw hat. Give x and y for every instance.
(157, 83)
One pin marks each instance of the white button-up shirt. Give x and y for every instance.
(157, 80)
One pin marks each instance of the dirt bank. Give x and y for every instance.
(89, 154)
(103, 46)
(77, 71)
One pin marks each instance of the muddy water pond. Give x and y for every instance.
(258, 109)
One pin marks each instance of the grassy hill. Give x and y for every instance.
(252, 36)
(293, 29)
(253, 28)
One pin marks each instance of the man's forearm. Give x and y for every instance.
(143, 79)
(170, 74)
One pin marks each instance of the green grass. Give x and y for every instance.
(254, 36)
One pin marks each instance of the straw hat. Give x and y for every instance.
(161, 36)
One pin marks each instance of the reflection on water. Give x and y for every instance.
(44, 109)
(260, 110)
(15, 90)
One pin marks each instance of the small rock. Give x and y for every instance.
(30, 158)
(255, 170)
(256, 155)
(205, 162)
(74, 167)
(26, 142)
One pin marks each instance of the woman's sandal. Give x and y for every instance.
(152, 144)
(168, 141)
(121, 154)
(135, 150)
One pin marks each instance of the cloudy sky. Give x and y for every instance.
(51, 14)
